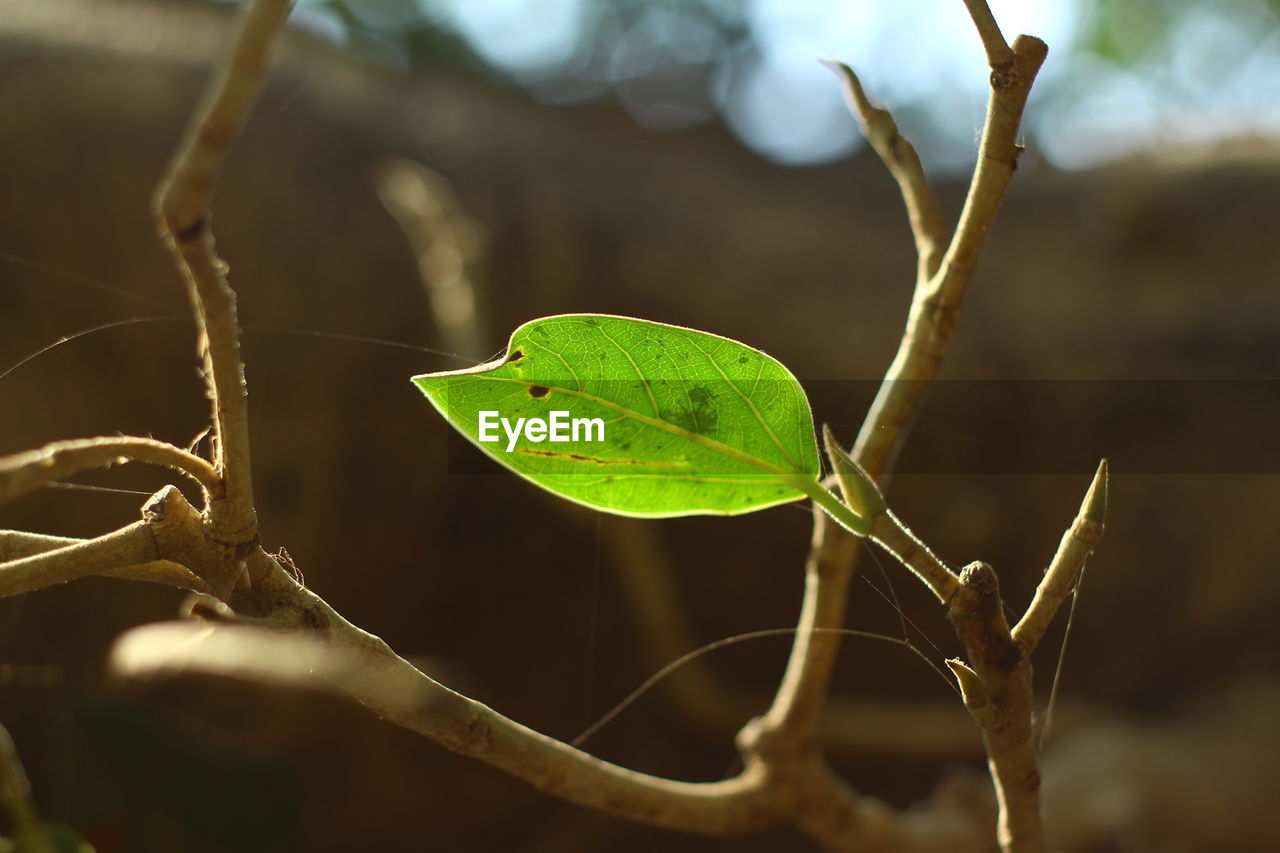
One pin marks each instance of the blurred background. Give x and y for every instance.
(1126, 74)
(421, 178)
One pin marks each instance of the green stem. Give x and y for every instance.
(845, 517)
(888, 531)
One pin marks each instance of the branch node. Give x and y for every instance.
(978, 616)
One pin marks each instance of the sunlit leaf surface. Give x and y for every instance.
(658, 420)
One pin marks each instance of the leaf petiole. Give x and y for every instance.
(833, 506)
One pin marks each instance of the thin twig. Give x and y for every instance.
(864, 497)
(998, 155)
(127, 546)
(1049, 717)
(935, 308)
(691, 656)
(849, 725)
(25, 472)
(344, 658)
(998, 52)
(182, 213)
(792, 718)
(183, 201)
(1077, 543)
(900, 156)
(15, 544)
(894, 536)
(362, 666)
(643, 568)
(359, 664)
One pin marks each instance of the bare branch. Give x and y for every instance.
(771, 788)
(344, 659)
(25, 472)
(183, 216)
(888, 531)
(900, 156)
(930, 329)
(997, 160)
(15, 544)
(998, 52)
(935, 308)
(996, 684)
(841, 820)
(715, 707)
(127, 546)
(797, 706)
(1077, 543)
(362, 666)
(863, 496)
(184, 199)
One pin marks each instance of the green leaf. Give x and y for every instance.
(692, 423)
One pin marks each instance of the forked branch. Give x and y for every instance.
(931, 325)
(996, 682)
(930, 328)
(183, 216)
(935, 308)
(900, 157)
(784, 775)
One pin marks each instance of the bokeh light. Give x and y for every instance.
(1123, 75)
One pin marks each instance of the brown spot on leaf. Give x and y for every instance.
(538, 391)
(578, 457)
